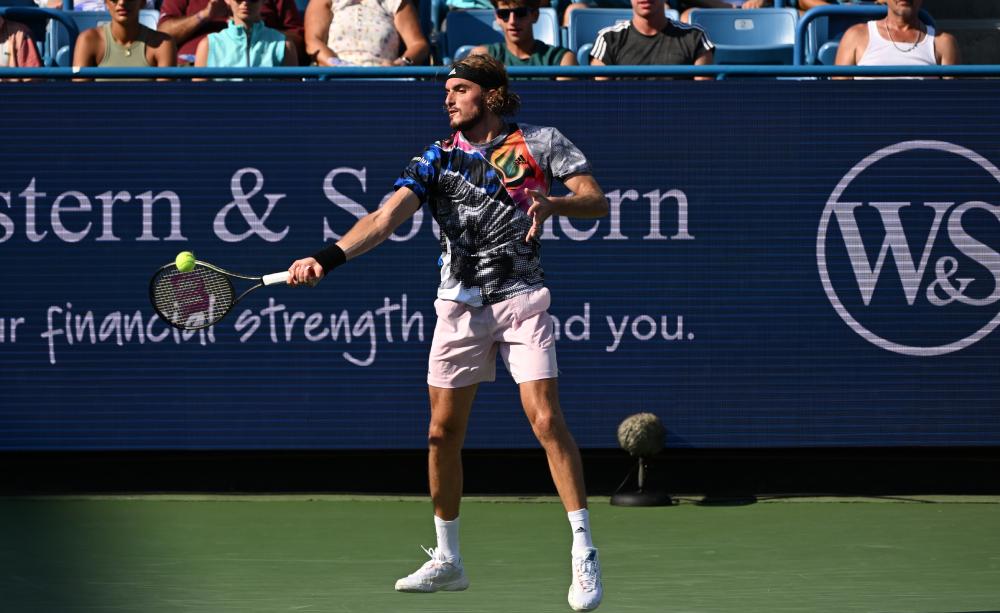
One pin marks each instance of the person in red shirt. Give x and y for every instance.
(189, 21)
(17, 47)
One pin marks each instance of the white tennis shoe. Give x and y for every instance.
(436, 575)
(586, 591)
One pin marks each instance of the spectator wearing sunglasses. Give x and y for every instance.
(519, 46)
(124, 42)
(246, 42)
(365, 33)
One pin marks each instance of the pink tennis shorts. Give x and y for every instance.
(466, 340)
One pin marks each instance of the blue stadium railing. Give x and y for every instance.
(438, 72)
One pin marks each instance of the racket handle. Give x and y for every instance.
(278, 277)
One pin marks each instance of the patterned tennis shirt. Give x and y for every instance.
(478, 193)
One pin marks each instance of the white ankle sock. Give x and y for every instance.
(447, 538)
(579, 522)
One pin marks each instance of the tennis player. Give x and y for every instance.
(487, 186)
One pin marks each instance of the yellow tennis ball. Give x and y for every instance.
(184, 261)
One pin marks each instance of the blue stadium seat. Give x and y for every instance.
(57, 40)
(479, 27)
(39, 20)
(760, 36)
(584, 24)
(818, 33)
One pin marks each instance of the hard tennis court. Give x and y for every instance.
(343, 553)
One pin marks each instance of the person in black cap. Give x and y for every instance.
(487, 186)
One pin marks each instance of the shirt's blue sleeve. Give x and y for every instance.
(421, 173)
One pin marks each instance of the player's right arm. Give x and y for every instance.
(370, 231)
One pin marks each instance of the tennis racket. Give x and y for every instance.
(200, 298)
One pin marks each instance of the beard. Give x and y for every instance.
(463, 124)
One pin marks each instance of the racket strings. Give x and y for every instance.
(192, 300)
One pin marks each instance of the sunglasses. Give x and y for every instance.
(520, 12)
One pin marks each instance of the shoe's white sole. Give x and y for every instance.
(454, 586)
(577, 607)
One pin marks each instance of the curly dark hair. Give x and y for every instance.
(500, 99)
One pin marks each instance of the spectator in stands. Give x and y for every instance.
(246, 42)
(189, 21)
(462, 5)
(685, 7)
(900, 39)
(365, 33)
(86, 5)
(519, 47)
(805, 5)
(651, 39)
(17, 47)
(124, 42)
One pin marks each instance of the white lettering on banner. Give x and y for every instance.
(945, 288)
(655, 199)
(645, 328)
(241, 201)
(359, 211)
(72, 204)
(582, 320)
(9, 335)
(73, 218)
(108, 200)
(342, 201)
(83, 206)
(615, 200)
(6, 222)
(75, 328)
(283, 325)
(274, 323)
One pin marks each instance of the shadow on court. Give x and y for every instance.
(42, 568)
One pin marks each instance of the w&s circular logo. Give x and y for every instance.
(907, 248)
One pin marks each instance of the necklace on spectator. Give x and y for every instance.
(898, 48)
(126, 46)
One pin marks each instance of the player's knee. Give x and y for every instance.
(443, 436)
(547, 426)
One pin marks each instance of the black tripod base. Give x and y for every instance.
(641, 499)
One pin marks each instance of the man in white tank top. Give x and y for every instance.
(900, 39)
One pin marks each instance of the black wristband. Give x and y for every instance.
(330, 257)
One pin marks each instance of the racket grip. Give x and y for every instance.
(278, 277)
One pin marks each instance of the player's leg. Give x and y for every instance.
(541, 404)
(530, 354)
(462, 356)
(450, 409)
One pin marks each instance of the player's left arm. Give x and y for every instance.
(586, 201)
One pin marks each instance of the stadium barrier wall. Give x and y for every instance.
(786, 264)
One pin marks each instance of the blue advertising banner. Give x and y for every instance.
(785, 263)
